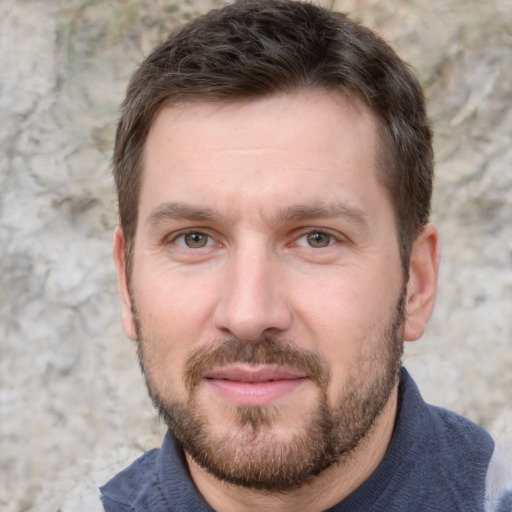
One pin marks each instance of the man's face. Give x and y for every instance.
(266, 293)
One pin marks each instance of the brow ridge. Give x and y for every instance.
(180, 211)
(301, 212)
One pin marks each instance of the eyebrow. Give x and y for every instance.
(323, 210)
(179, 211)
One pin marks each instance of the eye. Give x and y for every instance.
(193, 240)
(316, 239)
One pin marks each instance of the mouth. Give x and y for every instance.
(248, 385)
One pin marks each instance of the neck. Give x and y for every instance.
(321, 493)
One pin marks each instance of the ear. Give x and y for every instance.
(422, 284)
(124, 285)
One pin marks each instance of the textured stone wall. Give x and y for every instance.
(72, 403)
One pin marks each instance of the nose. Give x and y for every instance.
(252, 299)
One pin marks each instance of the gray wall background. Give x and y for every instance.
(72, 402)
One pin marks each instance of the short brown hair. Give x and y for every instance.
(254, 48)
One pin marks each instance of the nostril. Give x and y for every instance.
(254, 324)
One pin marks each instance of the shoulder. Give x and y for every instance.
(443, 433)
(444, 457)
(120, 492)
(460, 436)
(463, 454)
(498, 483)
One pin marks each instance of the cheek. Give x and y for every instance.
(346, 322)
(174, 318)
(174, 302)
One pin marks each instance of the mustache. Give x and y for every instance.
(265, 351)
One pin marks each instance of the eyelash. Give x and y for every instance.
(182, 234)
(334, 238)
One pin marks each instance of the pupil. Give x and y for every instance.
(318, 239)
(195, 240)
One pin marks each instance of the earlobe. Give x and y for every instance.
(127, 319)
(422, 284)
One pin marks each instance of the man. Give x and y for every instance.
(273, 163)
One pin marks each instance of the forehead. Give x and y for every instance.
(256, 117)
(290, 145)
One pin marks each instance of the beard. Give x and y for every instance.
(250, 454)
